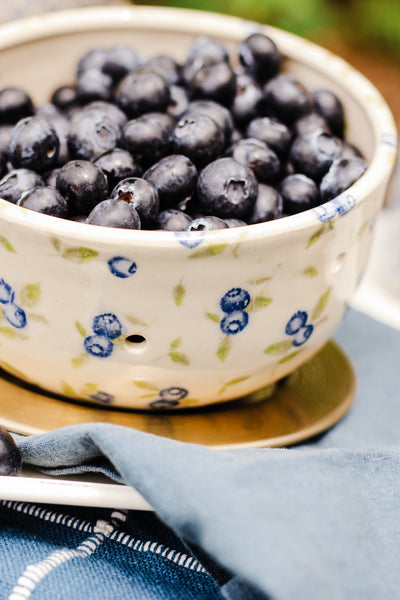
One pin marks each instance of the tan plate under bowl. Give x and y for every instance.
(307, 402)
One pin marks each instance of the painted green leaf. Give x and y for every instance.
(211, 250)
(258, 302)
(119, 340)
(135, 321)
(213, 317)
(224, 348)
(279, 347)
(79, 361)
(178, 357)
(89, 388)
(233, 382)
(30, 294)
(7, 332)
(80, 328)
(56, 243)
(179, 294)
(259, 281)
(310, 272)
(37, 317)
(16, 372)
(176, 343)
(149, 395)
(289, 356)
(67, 389)
(144, 385)
(315, 237)
(79, 254)
(320, 306)
(6, 244)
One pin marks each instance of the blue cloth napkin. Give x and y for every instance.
(316, 521)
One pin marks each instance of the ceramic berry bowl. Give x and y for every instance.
(161, 319)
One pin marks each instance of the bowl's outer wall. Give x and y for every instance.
(69, 294)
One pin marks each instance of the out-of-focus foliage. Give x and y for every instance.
(368, 23)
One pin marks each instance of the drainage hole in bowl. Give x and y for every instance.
(135, 342)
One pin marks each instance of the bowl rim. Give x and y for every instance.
(232, 28)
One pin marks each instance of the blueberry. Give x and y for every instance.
(173, 219)
(260, 56)
(65, 97)
(271, 131)
(15, 104)
(141, 92)
(205, 49)
(91, 133)
(5, 135)
(173, 393)
(98, 345)
(350, 151)
(83, 184)
(107, 324)
(214, 81)
(121, 60)
(93, 59)
(122, 267)
(268, 205)
(198, 137)
(220, 114)
(206, 224)
(114, 213)
(165, 66)
(34, 144)
(117, 164)
(256, 155)
(15, 315)
(235, 223)
(3, 165)
(341, 175)
(6, 293)
(50, 178)
(46, 200)
(108, 110)
(18, 181)
(285, 98)
(296, 322)
(310, 122)
(146, 139)
(10, 456)
(235, 299)
(93, 84)
(166, 121)
(61, 125)
(174, 177)
(141, 195)
(327, 104)
(178, 101)
(302, 336)
(246, 101)
(234, 322)
(227, 189)
(299, 193)
(313, 153)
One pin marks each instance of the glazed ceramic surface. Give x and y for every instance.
(161, 320)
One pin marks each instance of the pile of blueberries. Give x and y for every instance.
(151, 144)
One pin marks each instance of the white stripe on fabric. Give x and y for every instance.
(47, 515)
(34, 574)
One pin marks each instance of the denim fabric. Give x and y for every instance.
(317, 521)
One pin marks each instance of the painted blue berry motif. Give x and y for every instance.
(298, 328)
(234, 322)
(98, 345)
(296, 322)
(169, 398)
(103, 397)
(6, 293)
(107, 325)
(14, 314)
(235, 299)
(189, 240)
(122, 267)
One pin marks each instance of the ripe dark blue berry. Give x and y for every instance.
(227, 189)
(91, 133)
(220, 114)
(142, 91)
(341, 175)
(165, 66)
(10, 456)
(15, 104)
(83, 184)
(199, 138)
(271, 131)
(46, 200)
(174, 177)
(65, 96)
(142, 195)
(173, 219)
(299, 193)
(313, 153)
(93, 59)
(310, 122)
(146, 139)
(327, 104)
(114, 213)
(207, 224)
(285, 98)
(119, 61)
(215, 81)
(268, 205)
(18, 181)
(93, 84)
(256, 155)
(117, 164)
(178, 101)
(34, 144)
(260, 56)
(246, 101)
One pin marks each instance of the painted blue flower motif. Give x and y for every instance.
(296, 322)
(100, 346)
(107, 325)
(15, 315)
(6, 293)
(103, 397)
(336, 207)
(189, 240)
(235, 299)
(122, 267)
(169, 398)
(298, 328)
(234, 322)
